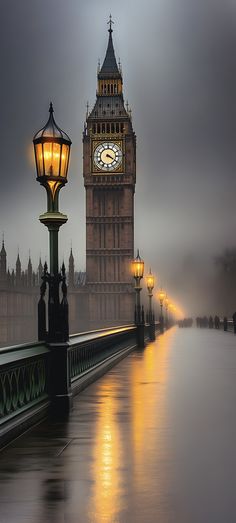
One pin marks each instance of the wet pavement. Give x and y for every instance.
(154, 440)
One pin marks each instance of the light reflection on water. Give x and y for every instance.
(107, 450)
(131, 438)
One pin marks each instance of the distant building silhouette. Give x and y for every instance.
(19, 295)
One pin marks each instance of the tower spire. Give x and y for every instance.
(110, 68)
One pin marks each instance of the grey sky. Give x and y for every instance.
(178, 61)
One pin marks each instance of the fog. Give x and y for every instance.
(179, 69)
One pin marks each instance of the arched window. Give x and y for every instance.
(117, 128)
(112, 128)
(108, 128)
(103, 128)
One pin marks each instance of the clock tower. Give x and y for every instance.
(109, 170)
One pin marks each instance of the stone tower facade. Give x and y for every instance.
(109, 170)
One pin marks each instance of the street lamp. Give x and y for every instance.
(167, 308)
(137, 271)
(150, 286)
(52, 153)
(161, 296)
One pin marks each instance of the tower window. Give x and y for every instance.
(103, 128)
(117, 128)
(99, 128)
(108, 128)
(122, 127)
(112, 128)
(108, 88)
(111, 89)
(94, 128)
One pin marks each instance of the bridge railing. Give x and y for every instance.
(91, 349)
(34, 377)
(230, 325)
(23, 385)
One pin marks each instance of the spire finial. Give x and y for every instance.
(51, 110)
(110, 22)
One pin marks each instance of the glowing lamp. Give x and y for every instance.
(52, 153)
(137, 267)
(150, 282)
(161, 296)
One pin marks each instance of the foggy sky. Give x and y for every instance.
(178, 62)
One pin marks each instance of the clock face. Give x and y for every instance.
(108, 156)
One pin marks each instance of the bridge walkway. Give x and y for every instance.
(153, 440)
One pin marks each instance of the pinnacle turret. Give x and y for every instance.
(71, 280)
(3, 262)
(18, 269)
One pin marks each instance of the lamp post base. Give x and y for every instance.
(140, 335)
(60, 383)
(152, 332)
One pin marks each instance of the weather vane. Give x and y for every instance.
(110, 22)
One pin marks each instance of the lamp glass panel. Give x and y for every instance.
(64, 160)
(51, 154)
(39, 159)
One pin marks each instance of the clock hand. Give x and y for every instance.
(109, 156)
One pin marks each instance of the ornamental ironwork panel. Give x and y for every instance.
(84, 356)
(22, 384)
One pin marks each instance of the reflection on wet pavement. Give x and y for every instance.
(151, 441)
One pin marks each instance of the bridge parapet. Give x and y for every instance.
(36, 378)
(23, 386)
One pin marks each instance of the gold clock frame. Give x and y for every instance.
(95, 143)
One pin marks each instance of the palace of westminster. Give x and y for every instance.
(104, 295)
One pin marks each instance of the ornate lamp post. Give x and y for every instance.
(161, 296)
(150, 286)
(137, 271)
(167, 308)
(52, 153)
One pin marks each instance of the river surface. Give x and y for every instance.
(152, 441)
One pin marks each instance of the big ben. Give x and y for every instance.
(109, 170)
